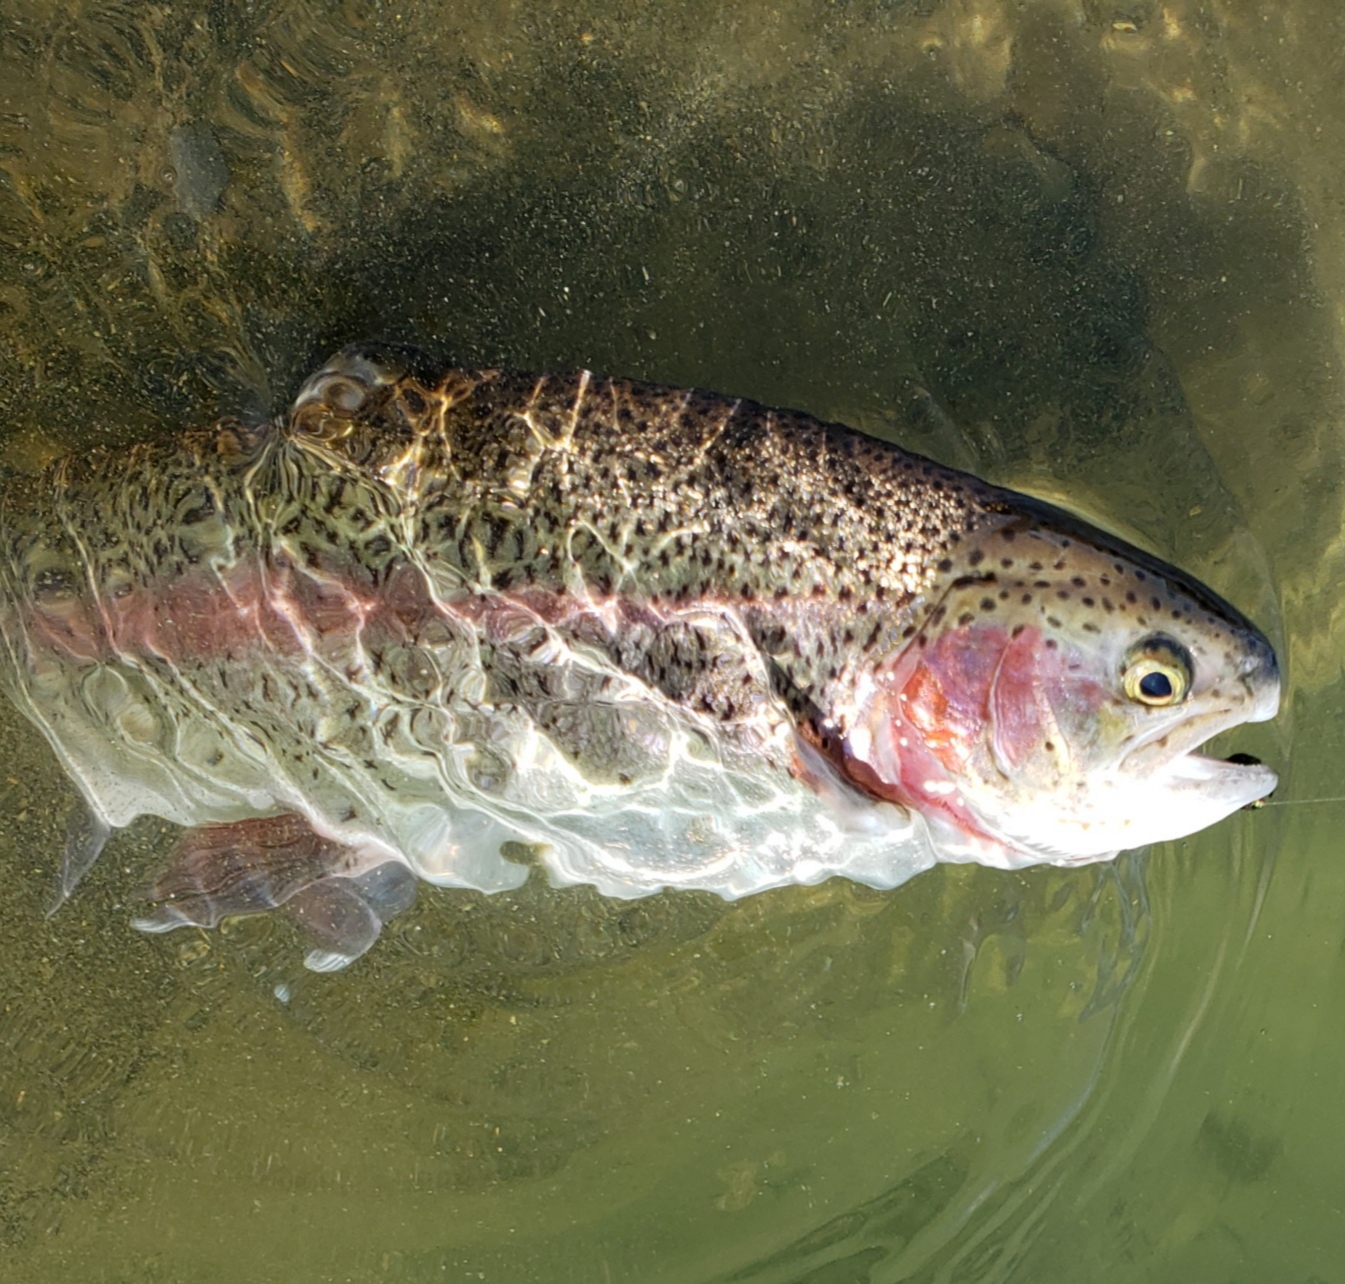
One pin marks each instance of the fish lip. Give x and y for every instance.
(1173, 737)
(1240, 783)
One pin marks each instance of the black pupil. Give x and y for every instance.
(1157, 686)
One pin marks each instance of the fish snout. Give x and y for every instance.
(1260, 674)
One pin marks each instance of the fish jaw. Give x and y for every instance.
(1019, 747)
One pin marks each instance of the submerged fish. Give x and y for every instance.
(670, 639)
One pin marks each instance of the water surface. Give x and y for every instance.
(1092, 250)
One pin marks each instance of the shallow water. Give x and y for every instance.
(1091, 250)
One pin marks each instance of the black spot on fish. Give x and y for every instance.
(206, 508)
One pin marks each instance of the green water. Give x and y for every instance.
(1092, 250)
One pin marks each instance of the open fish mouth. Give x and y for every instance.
(1171, 760)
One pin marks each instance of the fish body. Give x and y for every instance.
(668, 638)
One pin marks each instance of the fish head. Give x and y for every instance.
(1048, 705)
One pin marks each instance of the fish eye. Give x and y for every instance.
(1157, 671)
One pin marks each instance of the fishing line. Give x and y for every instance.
(1294, 802)
(1247, 760)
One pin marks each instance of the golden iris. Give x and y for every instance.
(1158, 671)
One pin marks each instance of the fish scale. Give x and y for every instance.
(667, 638)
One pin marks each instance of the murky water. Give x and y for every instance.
(1094, 250)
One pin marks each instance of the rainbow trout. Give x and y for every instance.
(672, 640)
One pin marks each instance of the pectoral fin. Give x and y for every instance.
(340, 895)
